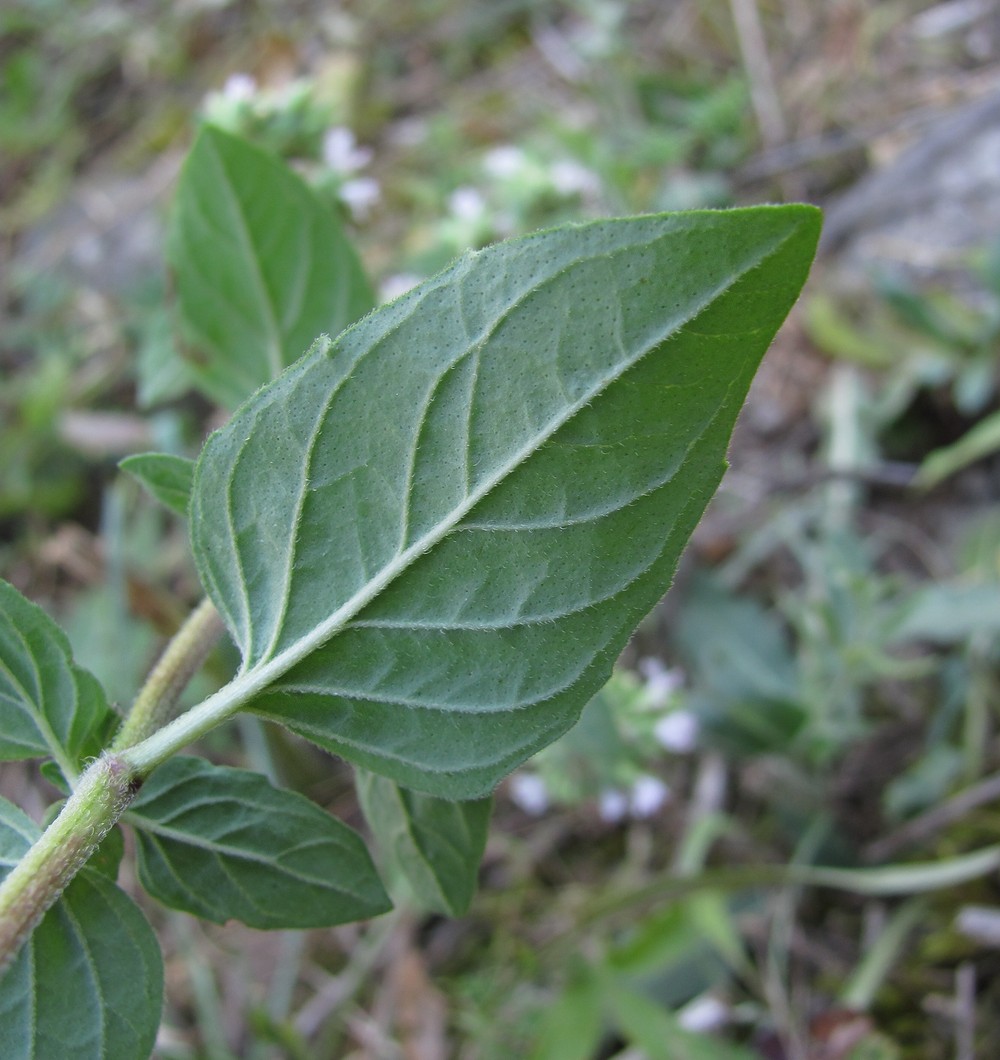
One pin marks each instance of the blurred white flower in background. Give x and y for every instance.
(504, 161)
(612, 805)
(703, 1014)
(342, 155)
(239, 88)
(648, 796)
(529, 793)
(661, 681)
(571, 178)
(466, 204)
(678, 731)
(341, 152)
(360, 195)
(396, 284)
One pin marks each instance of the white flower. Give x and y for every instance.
(677, 731)
(649, 795)
(504, 223)
(661, 681)
(397, 284)
(570, 178)
(612, 805)
(529, 792)
(705, 1013)
(466, 204)
(504, 161)
(360, 195)
(341, 152)
(239, 87)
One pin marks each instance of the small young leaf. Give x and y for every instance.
(261, 265)
(644, 1023)
(572, 1025)
(168, 478)
(432, 538)
(436, 844)
(224, 844)
(88, 984)
(978, 442)
(49, 706)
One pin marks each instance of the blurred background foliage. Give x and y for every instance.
(820, 686)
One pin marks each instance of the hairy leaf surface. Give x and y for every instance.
(48, 704)
(167, 477)
(436, 844)
(88, 984)
(261, 265)
(224, 844)
(431, 538)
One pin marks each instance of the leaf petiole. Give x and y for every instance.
(181, 660)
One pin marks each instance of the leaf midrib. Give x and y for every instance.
(224, 851)
(263, 673)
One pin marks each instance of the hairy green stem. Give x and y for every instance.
(38, 879)
(104, 791)
(183, 657)
(146, 740)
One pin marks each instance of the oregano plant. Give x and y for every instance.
(429, 537)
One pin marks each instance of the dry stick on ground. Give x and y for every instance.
(763, 93)
(965, 1011)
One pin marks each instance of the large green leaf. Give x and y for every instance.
(49, 706)
(88, 984)
(431, 539)
(224, 844)
(436, 844)
(261, 265)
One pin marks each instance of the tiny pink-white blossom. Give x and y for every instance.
(529, 793)
(466, 204)
(504, 161)
(703, 1014)
(661, 681)
(360, 195)
(341, 152)
(570, 178)
(239, 87)
(612, 805)
(648, 796)
(397, 284)
(678, 731)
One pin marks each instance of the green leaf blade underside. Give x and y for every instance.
(435, 844)
(261, 264)
(49, 706)
(88, 984)
(166, 477)
(224, 844)
(432, 538)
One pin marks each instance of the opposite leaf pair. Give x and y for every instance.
(429, 539)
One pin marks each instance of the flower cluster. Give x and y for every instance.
(612, 757)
